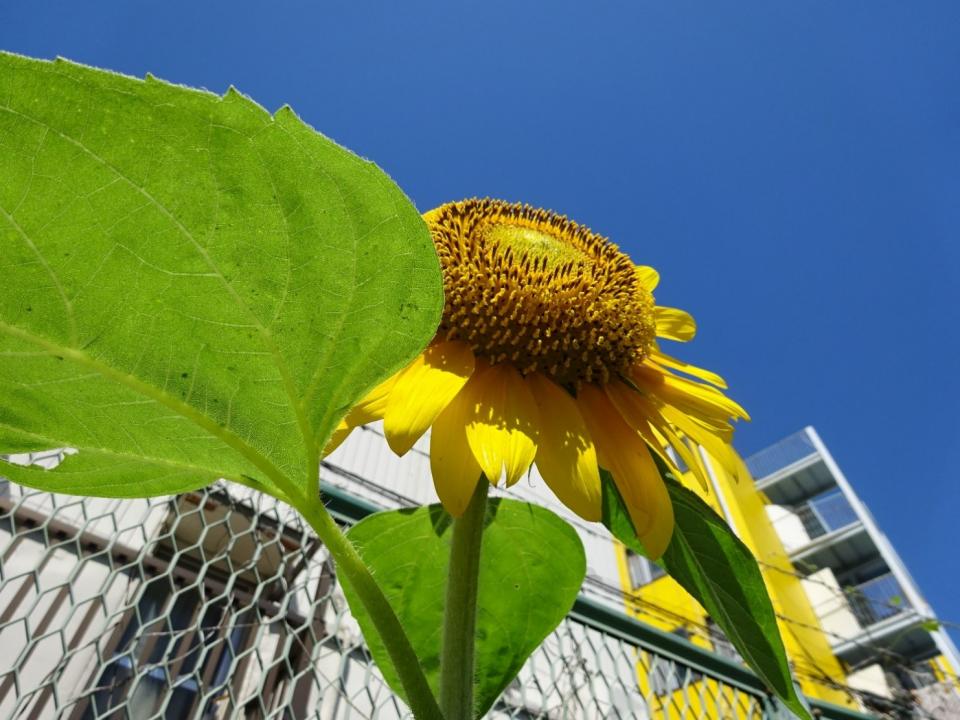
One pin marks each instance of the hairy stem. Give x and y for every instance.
(460, 610)
(351, 566)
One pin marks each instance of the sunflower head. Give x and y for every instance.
(536, 290)
(548, 352)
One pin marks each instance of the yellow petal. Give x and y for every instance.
(674, 364)
(624, 453)
(370, 408)
(674, 324)
(704, 394)
(648, 277)
(455, 470)
(339, 435)
(718, 449)
(686, 454)
(702, 401)
(423, 390)
(566, 457)
(639, 413)
(503, 430)
(374, 403)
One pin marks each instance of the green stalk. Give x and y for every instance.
(351, 566)
(460, 610)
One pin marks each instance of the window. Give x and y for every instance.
(165, 637)
(642, 571)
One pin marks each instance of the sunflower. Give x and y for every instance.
(548, 353)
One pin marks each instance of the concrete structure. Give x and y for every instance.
(876, 618)
(855, 625)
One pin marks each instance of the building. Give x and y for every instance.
(221, 604)
(856, 627)
(877, 621)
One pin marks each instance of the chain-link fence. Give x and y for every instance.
(222, 604)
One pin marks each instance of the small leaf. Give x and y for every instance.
(717, 569)
(192, 288)
(531, 568)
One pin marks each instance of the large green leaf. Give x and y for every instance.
(717, 569)
(192, 288)
(531, 568)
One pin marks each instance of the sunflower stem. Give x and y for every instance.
(351, 566)
(460, 610)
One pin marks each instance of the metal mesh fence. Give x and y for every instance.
(222, 604)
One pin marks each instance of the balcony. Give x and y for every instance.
(820, 521)
(825, 514)
(792, 470)
(877, 600)
(792, 450)
(887, 621)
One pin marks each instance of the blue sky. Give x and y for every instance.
(791, 168)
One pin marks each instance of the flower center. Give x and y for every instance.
(531, 242)
(541, 292)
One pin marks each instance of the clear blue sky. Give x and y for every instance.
(791, 168)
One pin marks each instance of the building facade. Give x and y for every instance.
(877, 621)
(221, 604)
(856, 626)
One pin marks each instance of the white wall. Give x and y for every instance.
(788, 526)
(871, 679)
(830, 604)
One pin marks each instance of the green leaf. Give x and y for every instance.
(193, 288)
(531, 569)
(717, 569)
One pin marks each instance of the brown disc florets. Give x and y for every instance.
(534, 289)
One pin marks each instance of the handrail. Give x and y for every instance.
(783, 453)
(619, 624)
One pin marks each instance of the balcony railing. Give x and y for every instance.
(798, 525)
(877, 600)
(826, 513)
(780, 455)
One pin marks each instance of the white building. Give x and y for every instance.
(875, 616)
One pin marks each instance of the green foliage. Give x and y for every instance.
(717, 569)
(530, 573)
(193, 288)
